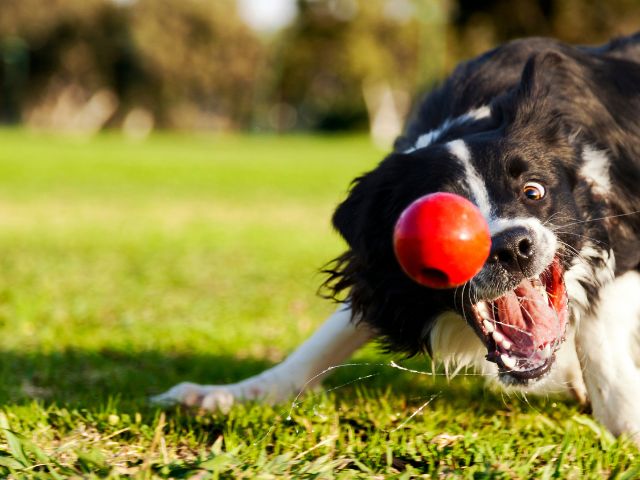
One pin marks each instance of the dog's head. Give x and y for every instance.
(521, 160)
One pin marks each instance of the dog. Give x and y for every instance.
(544, 138)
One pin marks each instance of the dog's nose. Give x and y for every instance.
(514, 249)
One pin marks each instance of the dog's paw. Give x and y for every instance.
(208, 397)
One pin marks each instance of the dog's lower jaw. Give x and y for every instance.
(510, 380)
(564, 378)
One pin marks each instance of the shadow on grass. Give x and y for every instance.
(86, 379)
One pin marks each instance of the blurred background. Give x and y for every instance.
(80, 66)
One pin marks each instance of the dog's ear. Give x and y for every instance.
(350, 216)
(366, 217)
(547, 71)
(370, 201)
(573, 91)
(555, 85)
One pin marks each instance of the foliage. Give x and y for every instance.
(186, 61)
(203, 57)
(336, 49)
(195, 64)
(127, 267)
(479, 26)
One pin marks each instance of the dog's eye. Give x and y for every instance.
(534, 191)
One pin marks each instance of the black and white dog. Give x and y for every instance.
(544, 138)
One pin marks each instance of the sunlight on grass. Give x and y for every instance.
(127, 267)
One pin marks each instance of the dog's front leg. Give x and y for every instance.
(337, 339)
(607, 343)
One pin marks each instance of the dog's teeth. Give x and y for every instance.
(547, 350)
(483, 309)
(508, 361)
(488, 327)
(501, 340)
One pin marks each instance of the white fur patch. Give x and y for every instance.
(497, 225)
(606, 345)
(582, 271)
(455, 344)
(432, 136)
(595, 169)
(475, 182)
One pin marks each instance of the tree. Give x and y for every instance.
(335, 49)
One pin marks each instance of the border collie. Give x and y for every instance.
(544, 138)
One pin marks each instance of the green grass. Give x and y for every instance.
(128, 267)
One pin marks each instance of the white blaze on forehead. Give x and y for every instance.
(475, 182)
(425, 140)
(432, 136)
(595, 168)
(479, 113)
(497, 225)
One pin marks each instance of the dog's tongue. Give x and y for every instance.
(527, 319)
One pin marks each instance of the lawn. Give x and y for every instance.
(128, 267)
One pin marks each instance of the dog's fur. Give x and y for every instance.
(534, 110)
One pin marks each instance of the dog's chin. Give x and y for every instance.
(523, 327)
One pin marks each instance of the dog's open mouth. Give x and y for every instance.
(523, 328)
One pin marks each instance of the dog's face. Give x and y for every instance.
(518, 301)
(521, 169)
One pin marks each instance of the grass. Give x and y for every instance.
(128, 267)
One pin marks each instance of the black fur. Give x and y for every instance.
(549, 101)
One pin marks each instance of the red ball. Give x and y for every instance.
(441, 240)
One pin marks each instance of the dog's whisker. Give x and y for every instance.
(512, 327)
(573, 250)
(556, 214)
(607, 217)
(464, 312)
(594, 240)
(579, 257)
